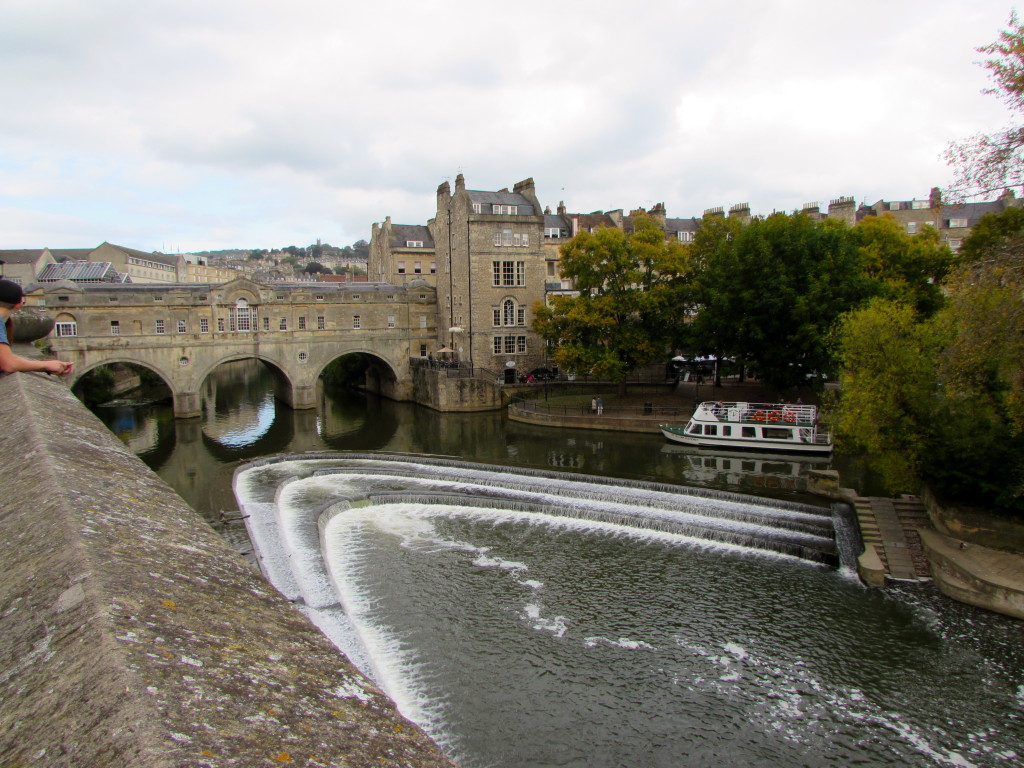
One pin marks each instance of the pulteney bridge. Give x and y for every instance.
(183, 332)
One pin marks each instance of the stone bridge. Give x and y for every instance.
(183, 332)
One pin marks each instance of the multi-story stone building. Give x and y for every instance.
(491, 273)
(953, 221)
(401, 252)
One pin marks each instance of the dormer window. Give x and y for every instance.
(953, 223)
(478, 207)
(505, 210)
(684, 237)
(413, 243)
(919, 205)
(894, 206)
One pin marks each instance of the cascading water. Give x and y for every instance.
(532, 618)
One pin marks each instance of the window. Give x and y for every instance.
(391, 297)
(694, 429)
(776, 433)
(423, 350)
(726, 432)
(241, 316)
(433, 267)
(423, 321)
(911, 227)
(478, 207)
(954, 223)
(266, 323)
(417, 267)
(894, 206)
(391, 321)
(497, 344)
(182, 328)
(283, 325)
(357, 321)
(551, 269)
(321, 323)
(749, 432)
(521, 316)
(355, 296)
(302, 323)
(413, 243)
(204, 325)
(685, 237)
(115, 328)
(320, 298)
(710, 429)
(401, 267)
(510, 345)
(158, 298)
(919, 205)
(303, 357)
(112, 298)
(506, 237)
(159, 326)
(220, 324)
(954, 245)
(497, 317)
(509, 312)
(505, 210)
(552, 232)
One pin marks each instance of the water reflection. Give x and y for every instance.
(241, 420)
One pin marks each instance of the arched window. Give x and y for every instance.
(66, 325)
(243, 317)
(508, 312)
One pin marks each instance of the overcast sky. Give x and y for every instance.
(189, 125)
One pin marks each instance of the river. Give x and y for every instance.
(523, 616)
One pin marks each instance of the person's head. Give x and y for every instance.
(11, 294)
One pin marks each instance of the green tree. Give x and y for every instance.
(627, 303)
(314, 266)
(888, 385)
(987, 162)
(908, 267)
(993, 233)
(770, 291)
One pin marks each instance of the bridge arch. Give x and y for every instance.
(149, 365)
(283, 383)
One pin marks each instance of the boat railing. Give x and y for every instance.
(759, 413)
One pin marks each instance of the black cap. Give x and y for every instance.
(10, 292)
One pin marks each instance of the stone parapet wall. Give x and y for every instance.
(132, 635)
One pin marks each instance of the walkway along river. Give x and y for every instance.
(525, 618)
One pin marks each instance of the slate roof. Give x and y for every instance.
(403, 233)
(682, 225)
(502, 198)
(75, 254)
(160, 258)
(23, 256)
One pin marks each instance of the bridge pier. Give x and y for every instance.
(187, 405)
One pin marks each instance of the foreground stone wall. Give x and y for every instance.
(132, 635)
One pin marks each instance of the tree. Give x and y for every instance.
(993, 233)
(988, 162)
(314, 266)
(908, 268)
(627, 303)
(888, 383)
(770, 291)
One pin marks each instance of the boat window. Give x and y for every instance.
(749, 431)
(726, 431)
(776, 433)
(694, 429)
(710, 429)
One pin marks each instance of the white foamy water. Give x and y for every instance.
(490, 624)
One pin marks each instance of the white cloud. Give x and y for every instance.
(261, 123)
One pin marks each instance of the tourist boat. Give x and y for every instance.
(786, 427)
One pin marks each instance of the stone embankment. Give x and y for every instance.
(132, 635)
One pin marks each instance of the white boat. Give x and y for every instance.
(786, 427)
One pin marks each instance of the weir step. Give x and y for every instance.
(891, 526)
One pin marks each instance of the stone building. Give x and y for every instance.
(24, 265)
(141, 267)
(491, 273)
(401, 252)
(953, 221)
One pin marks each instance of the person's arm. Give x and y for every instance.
(12, 363)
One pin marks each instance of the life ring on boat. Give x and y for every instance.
(758, 415)
(790, 417)
(774, 416)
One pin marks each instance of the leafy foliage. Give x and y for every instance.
(769, 292)
(987, 162)
(626, 307)
(940, 399)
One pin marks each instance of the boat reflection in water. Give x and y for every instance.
(746, 470)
